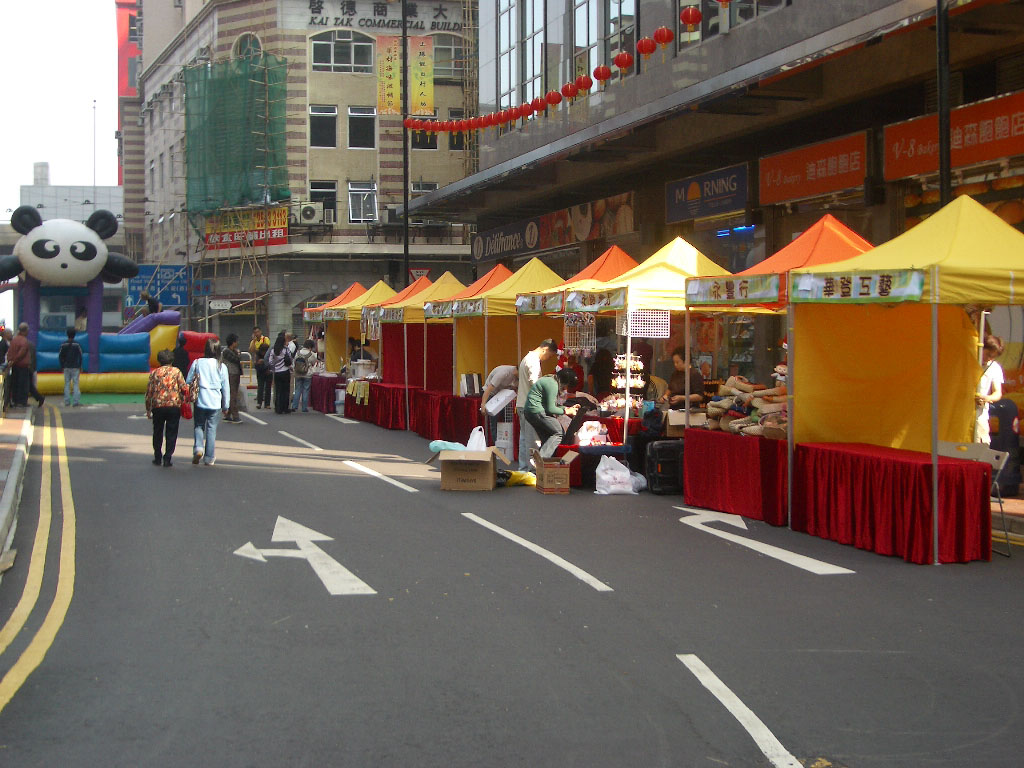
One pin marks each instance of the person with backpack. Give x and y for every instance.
(70, 358)
(302, 367)
(279, 365)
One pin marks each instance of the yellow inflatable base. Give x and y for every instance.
(110, 383)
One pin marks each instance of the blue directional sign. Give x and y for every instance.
(167, 282)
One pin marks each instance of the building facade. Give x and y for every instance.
(272, 160)
(737, 130)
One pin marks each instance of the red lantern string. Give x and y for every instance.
(645, 46)
(539, 105)
(691, 17)
(569, 90)
(602, 73)
(553, 97)
(525, 110)
(584, 83)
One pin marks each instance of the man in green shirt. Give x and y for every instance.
(541, 408)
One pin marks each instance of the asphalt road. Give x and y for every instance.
(465, 648)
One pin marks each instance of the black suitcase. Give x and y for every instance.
(665, 466)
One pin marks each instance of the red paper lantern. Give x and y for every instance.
(645, 46)
(602, 73)
(663, 36)
(584, 83)
(408, 122)
(623, 60)
(553, 97)
(691, 17)
(569, 90)
(475, 123)
(525, 111)
(507, 116)
(539, 105)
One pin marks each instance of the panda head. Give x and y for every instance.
(62, 251)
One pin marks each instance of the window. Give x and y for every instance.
(342, 50)
(422, 187)
(508, 59)
(424, 139)
(620, 32)
(362, 201)
(134, 65)
(248, 46)
(532, 52)
(134, 29)
(362, 127)
(456, 139)
(325, 192)
(323, 126)
(585, 37)
(449, 56)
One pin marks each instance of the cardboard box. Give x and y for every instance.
(469, 470)
(553, 473)
(675, 422)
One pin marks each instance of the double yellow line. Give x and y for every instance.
(36, 651)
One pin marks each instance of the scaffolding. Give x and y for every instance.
(236, 158)
(470, 83)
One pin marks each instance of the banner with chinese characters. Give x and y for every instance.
(258, 227)
(753, 289)
(980, 132)
(438, 309)
(389, 75)
(468, 308)
(595, 301)
(829, 166)
(858, 287)
(539, 303)
(392, 314)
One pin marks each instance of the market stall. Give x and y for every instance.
(332, 355)
(342, 321)
(643, 298)
(745, 474)
(883, 366)
(391, 364)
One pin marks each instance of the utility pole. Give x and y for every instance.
(405, 145)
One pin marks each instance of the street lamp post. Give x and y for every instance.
(405, 145)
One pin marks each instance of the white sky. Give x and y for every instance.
(57, 57)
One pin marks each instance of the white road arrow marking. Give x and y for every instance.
(699, 517)
(765, 739)
(335, 577)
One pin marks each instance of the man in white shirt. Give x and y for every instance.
(289, 342)
(529, 372)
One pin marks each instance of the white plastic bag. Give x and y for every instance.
(639, 481)
(613, 477)
(477, 440)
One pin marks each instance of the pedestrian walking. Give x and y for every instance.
(229, 356)
(279, 364)
(18, 367)
(70, 359)
(211, 375)
(164, 396)
(181, 359)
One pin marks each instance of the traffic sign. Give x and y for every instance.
(168, 283)
(417, 272)
(219, 305)
(202, 287)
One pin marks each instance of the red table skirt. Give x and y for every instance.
(738, 474)
(321, 392)
(443, 416)
(614, 425)
(386, 407)
(880, 499)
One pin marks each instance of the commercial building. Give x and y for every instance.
(273, 155)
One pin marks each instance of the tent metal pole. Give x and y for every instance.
(686, 332)
(455, 360)
(405, 369)
(629, 359)
(935, 417)
(790, 439)
(487, 328)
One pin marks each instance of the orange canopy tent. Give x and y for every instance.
(316, 314)
(608, 266)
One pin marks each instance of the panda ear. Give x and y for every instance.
(103, 223)
(25, 219)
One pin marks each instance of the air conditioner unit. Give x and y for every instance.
(306, 213)
(328, 217)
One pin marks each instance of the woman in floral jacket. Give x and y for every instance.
(164, 395)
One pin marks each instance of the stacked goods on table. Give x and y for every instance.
(629, 369)
(744, 407)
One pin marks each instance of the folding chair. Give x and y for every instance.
(997, 460)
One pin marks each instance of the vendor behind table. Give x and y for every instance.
(675, 396)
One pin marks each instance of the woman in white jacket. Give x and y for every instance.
(211, 376)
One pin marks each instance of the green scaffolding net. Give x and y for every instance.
(235, 133)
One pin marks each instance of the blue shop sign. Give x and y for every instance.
(708, 194)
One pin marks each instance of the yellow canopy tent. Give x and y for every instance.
(487, 332)
(316, 314)
(338, 318)
(608, 266)
(863, 356)
(404, 320)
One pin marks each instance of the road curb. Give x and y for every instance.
(12, 487)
